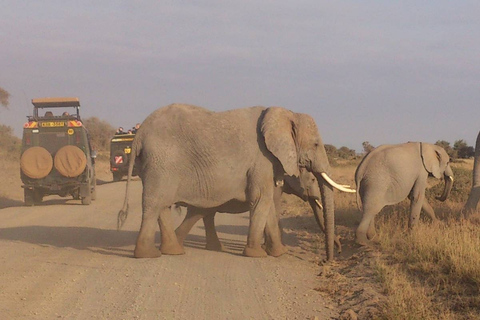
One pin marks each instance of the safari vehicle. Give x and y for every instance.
(56, 156)
(120, 150)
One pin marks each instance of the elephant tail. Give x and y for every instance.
(359, 199)
(123, 213)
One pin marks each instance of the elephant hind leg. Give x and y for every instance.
(145, 246)
(371, 230)
(169, 243)
(213, 243)
(193, 215)
(366, 228)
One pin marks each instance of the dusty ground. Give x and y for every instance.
(65, 260)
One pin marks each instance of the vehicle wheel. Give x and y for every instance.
(117, 176)
(28, 197)
(37, 196)
(87, 200)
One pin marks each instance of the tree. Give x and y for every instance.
(367, 147)
(463, 150)
(446, 145)
(331, 150)
(4, 98)
(100, 133)
(346, 153)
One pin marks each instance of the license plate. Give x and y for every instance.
(127, 150)
(51, 124)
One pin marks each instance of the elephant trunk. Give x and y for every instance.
(448, 176)
(328, 214)
(318, 214)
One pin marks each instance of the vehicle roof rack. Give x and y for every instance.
(56, 102)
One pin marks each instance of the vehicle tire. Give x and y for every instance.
(28, 197)
(117, 176)
(94, 190)
(36, 162)
(70, 161)
(37, 197)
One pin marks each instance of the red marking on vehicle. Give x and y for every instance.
(118, 159)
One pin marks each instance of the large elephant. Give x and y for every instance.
(190, 156)
(474, 197)
(391, 173)
(304, 187)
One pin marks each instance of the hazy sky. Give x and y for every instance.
(377, 71)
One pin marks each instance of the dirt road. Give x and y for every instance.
(65, 260)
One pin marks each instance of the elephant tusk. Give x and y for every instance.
(336, 185)
(319, 204)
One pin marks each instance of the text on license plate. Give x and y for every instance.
(50, 124)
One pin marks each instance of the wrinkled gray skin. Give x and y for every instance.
(190, 156)
(474, 197)
(304, 187)
(391, 173)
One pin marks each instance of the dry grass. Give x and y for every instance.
(432, 272)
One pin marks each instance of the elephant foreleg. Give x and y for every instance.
(273, 236)
(416, 203)
(259, 214)
(273, 230)
(426, 207)
(213, 243)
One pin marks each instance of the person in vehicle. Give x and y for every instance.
(134, 129)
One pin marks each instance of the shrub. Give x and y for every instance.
(9, 143)
(100, 133)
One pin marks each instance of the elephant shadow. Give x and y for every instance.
(101, 182)
(106, 242)
(234, 247)
(8, 203)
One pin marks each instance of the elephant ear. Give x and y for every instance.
(278, 129)
(435, 159)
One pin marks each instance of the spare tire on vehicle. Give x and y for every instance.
(36, 162)
(70, 161)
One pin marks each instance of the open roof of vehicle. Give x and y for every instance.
(56, 102)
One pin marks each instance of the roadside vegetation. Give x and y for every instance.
(431, 272)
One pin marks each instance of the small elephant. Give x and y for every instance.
(474, 197)
(191, 156)
(305, 187)
(391, 173)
